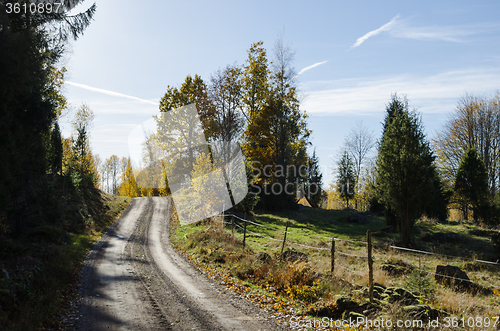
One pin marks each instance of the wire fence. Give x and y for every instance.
(369, 256)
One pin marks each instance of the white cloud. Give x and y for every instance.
(430, 94)
(403, 29)
(383, 28)
(310, 67)
(115, 94)
(455, 33)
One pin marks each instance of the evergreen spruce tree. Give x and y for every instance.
(56, 152)
(471, 183)
(346, 178)
(405, 170)
(312, 188)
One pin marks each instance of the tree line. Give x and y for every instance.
(31, 146)
(409, 177)
(255, 106)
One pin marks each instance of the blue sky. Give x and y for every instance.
(357, 53)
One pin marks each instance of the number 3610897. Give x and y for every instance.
(32, 8)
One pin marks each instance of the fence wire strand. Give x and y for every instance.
(359, 256)
(445, 255)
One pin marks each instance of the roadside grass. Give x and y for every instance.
(39, 268)
(307, 290)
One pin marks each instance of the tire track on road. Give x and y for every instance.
(134, 280)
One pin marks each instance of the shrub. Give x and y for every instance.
(421, 283)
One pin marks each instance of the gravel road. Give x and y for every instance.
(134, 280)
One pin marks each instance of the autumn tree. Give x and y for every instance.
(277, 135)
(150, 176)
(225, 93)
(255, 83)
(207, 188)
(180, 138)
(193, 90)
(128, 186)
(474, 124)
(405, 169)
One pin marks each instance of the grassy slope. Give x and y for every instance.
(39, 267)
(290, 289)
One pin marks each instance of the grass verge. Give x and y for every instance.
(305, 291)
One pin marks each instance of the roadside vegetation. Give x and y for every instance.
(40, 266)
(440, 196)
(307, 290)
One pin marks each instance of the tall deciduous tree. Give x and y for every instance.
(193, 90)
(128, 185)
(110, 171)
(277, 135)
(359, 143)
(405, 169)
(475, 123)
(177, 137)
(255, 80)
(225, 93)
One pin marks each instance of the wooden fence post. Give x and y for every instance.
(244, 232)
(333, 256)
(232, 225)
(370, 264)
(284, 238)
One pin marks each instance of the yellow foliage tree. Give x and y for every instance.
(204, 183)
(129, 186)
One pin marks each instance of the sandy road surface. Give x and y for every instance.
(134, 280)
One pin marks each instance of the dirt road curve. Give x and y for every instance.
(134, 280)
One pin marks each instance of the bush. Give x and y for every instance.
(496, 241)
(292, 274)
(247, 204)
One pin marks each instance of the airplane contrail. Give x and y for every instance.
(311, 66)
(116, 94)
(385, 27)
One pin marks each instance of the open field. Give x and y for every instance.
(308, 289)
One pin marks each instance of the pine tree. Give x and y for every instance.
(471, 183)
(56, 150)
(83, 169)
(29, 89)
(405, 169)
(313, 190)
(346, 178)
